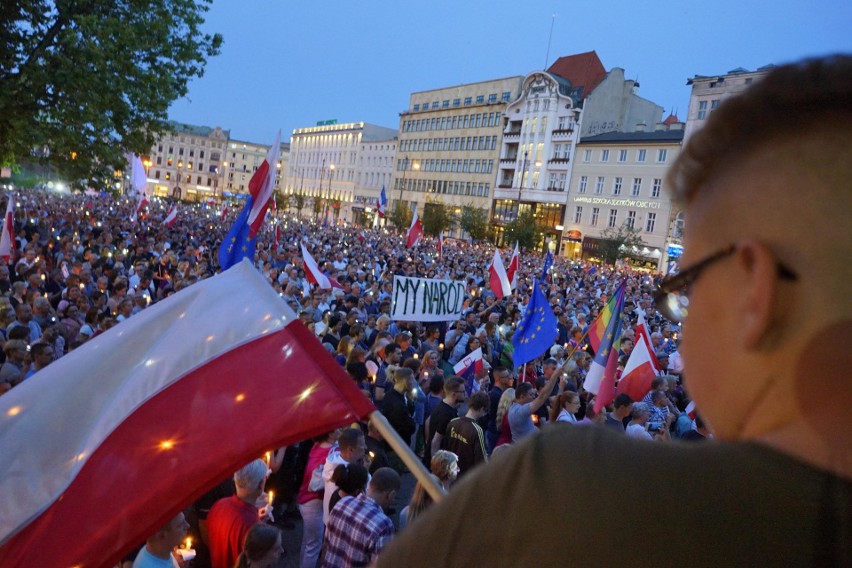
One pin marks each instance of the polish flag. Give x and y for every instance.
(499, 280)
(690, 409)
(7, 238)
(415, 231)
(140, 205)
(469, 366)
(362, 236)
(171, 216)
(154, 413)
(261, 186)
(314, 275)
(277, 239)
(224, 213)
(512, 271)
(441, 245)
(642, 332)
(638, 372)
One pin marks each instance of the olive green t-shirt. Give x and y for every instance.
(577, 495)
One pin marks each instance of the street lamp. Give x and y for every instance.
(414, 165)
(523, 173)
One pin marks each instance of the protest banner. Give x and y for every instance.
(426, 299)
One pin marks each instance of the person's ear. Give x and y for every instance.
(758, 282)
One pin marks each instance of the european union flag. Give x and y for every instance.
(536, 332)
(548, 262)
(237, 244)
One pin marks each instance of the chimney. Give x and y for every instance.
(660, 126)
(640, 127)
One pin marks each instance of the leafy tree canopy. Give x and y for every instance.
(437, 217)
(615, 242)
(525, 230)
(474, 222)
(82, 82)
(401, 216)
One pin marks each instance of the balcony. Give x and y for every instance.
(557, 163)
(512, 136)
(563, 132)
(505, 184)
(510, 162)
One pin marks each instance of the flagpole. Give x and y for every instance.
(407, 456)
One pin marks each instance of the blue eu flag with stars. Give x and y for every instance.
(237, 244)
(536, 332)
(548, 262)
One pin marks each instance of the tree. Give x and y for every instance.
(401, 216)
(615, 242)
(317, 207)
(474, 222)
(299, 201)
(437, 217)
(282, 200)
(525, 230)
(85, 82)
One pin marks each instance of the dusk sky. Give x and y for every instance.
(290, 64)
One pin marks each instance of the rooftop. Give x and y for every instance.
(634, 137)
(583, 70)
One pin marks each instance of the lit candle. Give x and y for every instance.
(271, 498)
(416, 356)
(268, 459)
(441, 346)
(188, 544)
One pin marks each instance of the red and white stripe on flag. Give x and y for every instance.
(313, 274)
(171, 216)
(261, 185)
(7, 237)
(638, 373)
(106, 445)
(415, 231)
(512, 270)
(498, 278)
(441, 245)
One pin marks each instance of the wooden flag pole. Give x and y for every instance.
(410, 460)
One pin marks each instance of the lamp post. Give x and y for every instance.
(414, 166)
(328, 193)
(523, 174)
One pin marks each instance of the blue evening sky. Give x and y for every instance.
(288, 64)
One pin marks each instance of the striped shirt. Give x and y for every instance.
(465, 438)
(357, 531)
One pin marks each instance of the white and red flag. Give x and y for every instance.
(277, 239)
(497, 277)
(382, 204)
(140, 205)
(224, 212)
(314, 275)
(138, 176)
(512, 270)
(261, 186)
(441, 245)
(638, 372)
(171, 216)
(103, 447)
(415, 231)
(7, 238)
(468, 368)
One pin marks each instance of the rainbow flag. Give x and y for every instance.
(600, 379)
(598, 328)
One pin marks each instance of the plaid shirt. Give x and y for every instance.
(357, 531)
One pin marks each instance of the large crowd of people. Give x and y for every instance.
(84, 267)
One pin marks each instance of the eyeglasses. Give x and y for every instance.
(672, 296)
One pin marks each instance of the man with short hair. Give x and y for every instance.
(358, 528)
(157, 552)
(231, 518)
(502, 381)
(527, 402)
(765, 277)
(622, 406)
(351, 448)
(465, 437)
(447, 409)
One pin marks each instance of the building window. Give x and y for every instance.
(613, 218)
(641, 156)
(637, 187)
(456, 102)
(446, 103)
(480, 99)
(416, 108)
(655, 190)
(587, 156)
(713, 104)
(599, 186)
(578, 215)
(492, 98)
(622, 155)
(435, 104)
(631, 219)
(506, 95)
(604, 155)
(662, 154)
(616, 186)
(596, 211)
(702, 110)
(584, 180)
(649, 224)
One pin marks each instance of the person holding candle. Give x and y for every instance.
(159, 548)
(231, 518)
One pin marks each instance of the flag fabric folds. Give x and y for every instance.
(600, 379)
(599, 326)
(548, 262)
(155, 412)
(224, 213)
(7, 237)
(382, 205)
(468, 367)
(171, 216)
(512, 270)
(140, 205)
(415, 231)
(138, 177)
(261, 185)
(441, 245)
(498, 279)
(638, 372)
(237, 244)
(537, 330)
(314, 275)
